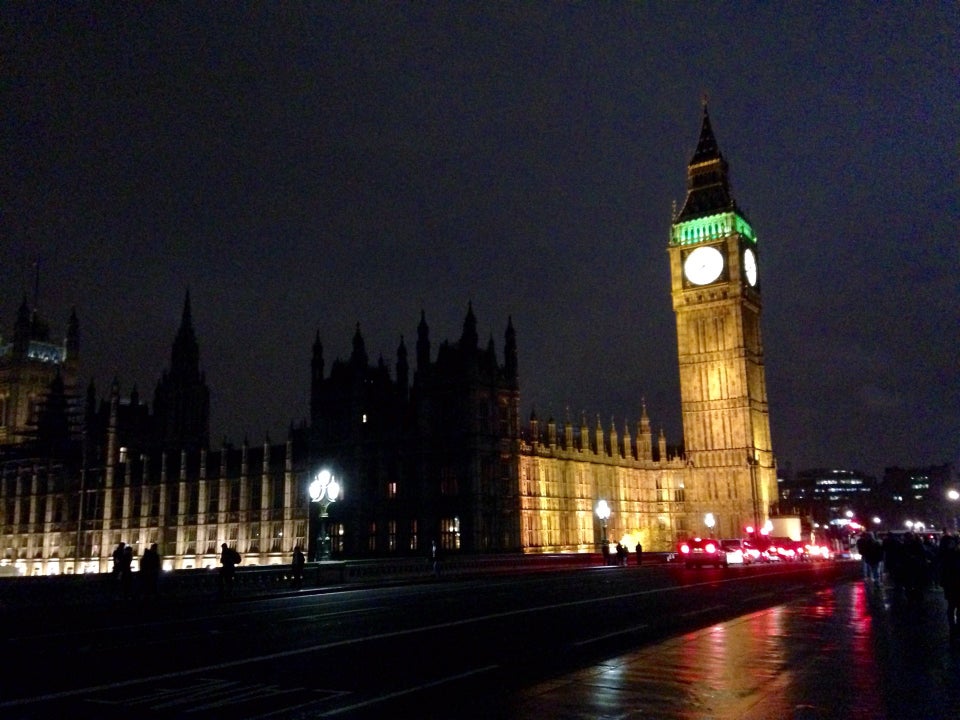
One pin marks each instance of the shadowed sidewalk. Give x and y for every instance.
(851, 652)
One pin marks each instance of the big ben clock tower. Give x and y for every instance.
(716, 280)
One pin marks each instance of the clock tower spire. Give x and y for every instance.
(716, 299)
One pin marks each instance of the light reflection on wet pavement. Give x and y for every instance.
(854, 651)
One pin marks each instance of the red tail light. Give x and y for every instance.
(710, 548)
(685, 548)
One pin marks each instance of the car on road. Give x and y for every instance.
(815, 551)
(702, 551)
(735, 551)
(788, 549)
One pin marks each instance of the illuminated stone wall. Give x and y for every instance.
(252, 498)
(563, 475)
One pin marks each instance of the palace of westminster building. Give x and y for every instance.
(426, 452)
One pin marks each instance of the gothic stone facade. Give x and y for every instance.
(440, 457)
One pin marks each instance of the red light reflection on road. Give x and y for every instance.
(814, 657)
(863, 660)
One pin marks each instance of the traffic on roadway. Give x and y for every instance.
(434, 648)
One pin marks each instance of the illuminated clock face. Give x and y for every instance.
(703, 265)
(750, 266)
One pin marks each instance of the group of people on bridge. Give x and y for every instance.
(622, 554)
(122, 571)
(912, 563)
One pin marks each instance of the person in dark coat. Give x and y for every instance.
(873, 557)
(893, 561)
(914, 567)
(150, 571)
(229, 559)
(115, 571)
(434, 559)
(863, 546)
(126, 572)
(949, 561)
(639, 554)
(296, 567)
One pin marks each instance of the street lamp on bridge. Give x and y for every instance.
(603, 512)
(324, 490)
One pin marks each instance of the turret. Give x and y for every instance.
(316, 362)
(112, 431)
(708, 183)
(316, 377)
(510, 355)
(534, 428)
(181, 401)
(403, 370)
(644, 435)
(21, 330)
(73, 335)
(469, 338)
(423, 344)
(358, 358)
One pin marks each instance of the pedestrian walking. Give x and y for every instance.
(875, 560)
(949, 561)
(117, 564)
(434, 559)
(893, 561)
(639, 554)
(229, 559)
(150, 572)
(296, 567)
(914, 563)
(863, 547)
(126, 572)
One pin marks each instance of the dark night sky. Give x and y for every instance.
(304, 167)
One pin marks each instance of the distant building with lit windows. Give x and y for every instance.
(827, 493)
(922, 494)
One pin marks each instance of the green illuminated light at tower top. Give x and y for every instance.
(712, 227)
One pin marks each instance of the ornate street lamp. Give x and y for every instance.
(710, 521)
(603, 512)
(324, 490)
(953, 495)
(754, 495)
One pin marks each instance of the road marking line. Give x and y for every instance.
(598, 638)
(700, 611)
(324, 616)
(407, 691)
(289, 708)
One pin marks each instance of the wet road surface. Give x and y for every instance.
(853, 651)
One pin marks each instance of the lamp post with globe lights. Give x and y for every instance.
(323, 490)
(752, 462)
(603, 512)
(953, 495)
